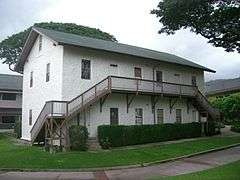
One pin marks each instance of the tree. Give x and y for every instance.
(216, 20)
(11, 47)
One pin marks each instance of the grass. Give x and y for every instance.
(226, 172)
(32, 157)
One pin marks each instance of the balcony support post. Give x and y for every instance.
(172, 102)
(102, 101)
(129, 100)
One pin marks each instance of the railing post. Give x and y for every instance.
(109, 83)
(82, 100)
(95, 89)
(67, 109)
(52, 108)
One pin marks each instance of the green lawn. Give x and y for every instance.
(226, 172)
(18, 156)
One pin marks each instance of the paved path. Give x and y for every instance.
(183, 166)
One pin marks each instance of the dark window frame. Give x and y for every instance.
(178, 118)
(139, 117)
(31, 79)
(30, 117)
(157, 77)
(158, 121)
(48, 72)
(138, 72)
(86, 69)
(194, 80)
(114, 121)
(5, 96)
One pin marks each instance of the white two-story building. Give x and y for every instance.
(73, 79)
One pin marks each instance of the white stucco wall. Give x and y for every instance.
(100, 69)
(35, 97)
(94, 117)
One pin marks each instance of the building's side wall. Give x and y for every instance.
(100, 69)
(35, 97)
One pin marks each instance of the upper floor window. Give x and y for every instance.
(48, 72)
(178, 116)
(194, 80)
(31, 79)
(159, 76)
(40, 43)
(8, 96)
(86, 69)
(139, 116)
(30, 117)
(138, 72)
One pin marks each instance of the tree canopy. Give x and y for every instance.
(11, 47)
(216, 20)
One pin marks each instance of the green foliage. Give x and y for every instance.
(229, 106)
(117, 136)
(78, 137)
(236, 127)
(11, 47)
(218, 21)
(18, 128)
(211, 128)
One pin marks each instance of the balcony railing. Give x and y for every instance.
(107, 85)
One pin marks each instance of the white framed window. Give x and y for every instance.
(160, 116)
(40, 43)
(48, 72)
(138, 116)
(178, 115)
(86, 69)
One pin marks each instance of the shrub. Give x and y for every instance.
(229, 106)
(211, 128)
(116, 136)
(78, 136)
(236, 127)
(18, 128)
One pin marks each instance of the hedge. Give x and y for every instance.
(236, 127)
(120, 135)
(211, 128)
(78, 136)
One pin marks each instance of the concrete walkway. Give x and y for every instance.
(183, 166)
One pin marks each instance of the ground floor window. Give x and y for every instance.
(178, 116)
(113, 116)
(9, 119)
(160, 116)
(30, 117)
(138, 116)
(194, 116)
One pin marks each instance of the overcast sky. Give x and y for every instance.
(129, 21)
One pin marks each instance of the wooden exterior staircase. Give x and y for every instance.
(52, 120)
